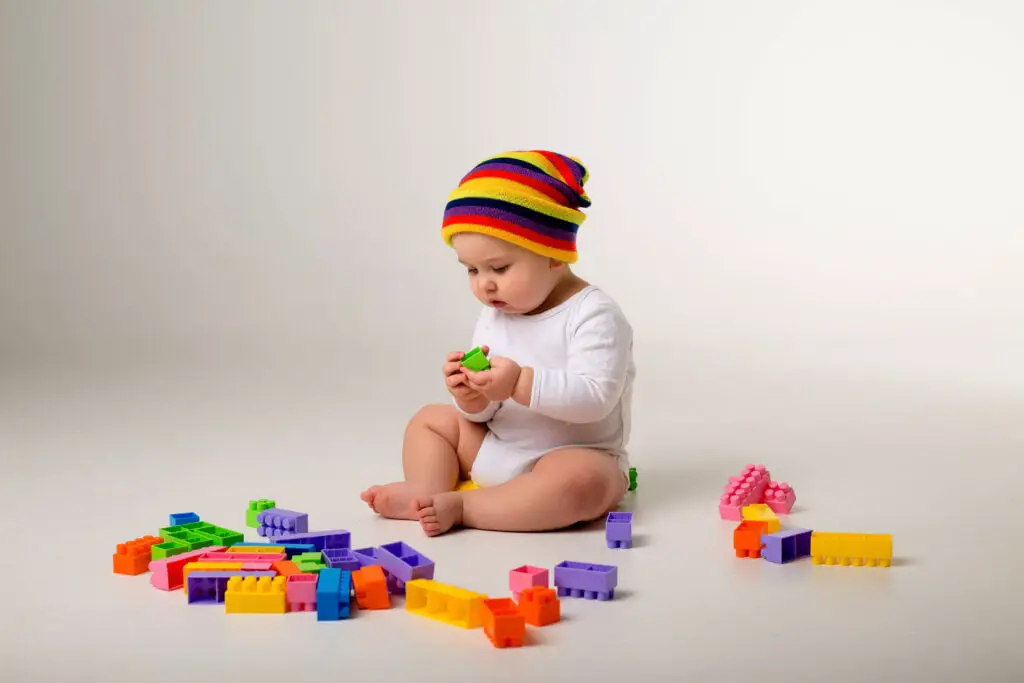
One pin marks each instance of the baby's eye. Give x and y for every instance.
(471, 271)
(501, 269)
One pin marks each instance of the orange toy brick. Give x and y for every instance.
(540, 606)
(371, 588)
(133, 557)
(285, 568)
(504, 626)
(746, 539)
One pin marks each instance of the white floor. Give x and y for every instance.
(92, 460)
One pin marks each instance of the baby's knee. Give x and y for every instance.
(589, 490)
(438, 418)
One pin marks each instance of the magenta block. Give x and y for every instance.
(780, 497)
(300, 592)
(745, 489)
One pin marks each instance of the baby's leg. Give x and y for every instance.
(565, 487)
(439, 444)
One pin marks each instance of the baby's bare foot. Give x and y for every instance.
(438, 513)
(391, 500)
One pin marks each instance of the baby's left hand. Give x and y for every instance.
(497, 382)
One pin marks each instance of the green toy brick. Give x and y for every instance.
(632, 478)
(255, 508)
(475, 360)
(310, 563)
(167, 549)
(193, 540)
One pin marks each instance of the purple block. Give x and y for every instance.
(288, 521)
(618, 529)
(341, 558)
(209, 587)
(336, 538)
(404, 563)
(367, 556)
(786, 546)
(586, 580)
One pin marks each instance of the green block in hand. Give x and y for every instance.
(475, 360)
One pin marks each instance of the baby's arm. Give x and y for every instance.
(478, 408)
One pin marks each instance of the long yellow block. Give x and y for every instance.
(448, 604)
(207, 567)
(844, 549)
(255, 595)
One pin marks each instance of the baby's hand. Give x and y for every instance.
(496, 383)
(455, 380)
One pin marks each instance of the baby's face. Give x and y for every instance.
(502, 275)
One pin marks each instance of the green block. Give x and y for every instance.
(255, 508)
(632, 478)
(188, 538)
(310, 563)
(219, 535)
(167, 549)
(475, 360)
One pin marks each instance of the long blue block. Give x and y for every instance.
(333, 589)
(179, 518)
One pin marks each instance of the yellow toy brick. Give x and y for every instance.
(256, 549)
(448, 604)
(255, 595)
(760, 512)
(857, 550)
(206, 567)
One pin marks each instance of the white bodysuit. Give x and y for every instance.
(581, 352)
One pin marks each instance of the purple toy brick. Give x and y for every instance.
(786, 546)
(618, 529)
(341, 558)
(276, 522)
(586, 580)
(209, 587)
(335, 538)
(404, 563)
(367, 556)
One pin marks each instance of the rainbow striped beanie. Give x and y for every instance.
(531, 199)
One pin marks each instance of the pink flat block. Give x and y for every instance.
(780, 497)
(747, 488)
(258, 566)
(521, 578)
(167, 573)
(243, 557)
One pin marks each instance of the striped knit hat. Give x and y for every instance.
(531, 199)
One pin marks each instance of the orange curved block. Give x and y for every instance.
(371, 588)
(504, 626)
(133, 557)
(540, 606)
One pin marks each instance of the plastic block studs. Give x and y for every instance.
(504, 626)
(475, 360)
(403, 563)
(371, 588)
(618, 529)
(586, 580)
(857, 550)
(255, 595)
(275, 522)
(300, 592)
(341, 558)
(209, 587)
(335, 538)
(780, 497)
(333, 589)
(746, 538)
(178, 518)
(786, 546)
(255, 508)
(746, 488)
(444, 603)
(133, 557)
(521, 578)
(540, 606)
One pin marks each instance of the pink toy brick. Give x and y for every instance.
(521, 578)
(168, 573)
(242, 557)
(780, 497)
(745, 489)
(300, 592)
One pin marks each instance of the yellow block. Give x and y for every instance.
(844, 549)
(255, 595)
(448, 604)
(207, 567)
(467, 485)
(256, 549)
(760, 512)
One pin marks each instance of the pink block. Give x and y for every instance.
(244, 557)
(300, 592)
(258, 567)
(745, 489)
(521, 578)
(780, 497)
(168, 574)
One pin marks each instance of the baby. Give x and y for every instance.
(542, 432)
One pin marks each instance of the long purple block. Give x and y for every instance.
(284, 521)
(786, 546)
(404, 563)
(336, 538)
(618, 529)
(341, 558)
(586, 580)
(211, 586)
(367, 556)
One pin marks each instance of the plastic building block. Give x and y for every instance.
(332, 594)
(618, 529)
(475, 360)
(275, 522)
(191, 541)
(781, 547)
(540, 606)
(845, 549)
(762, 513)
(133, 557)
(255, 595)
(300, 592)
(178, 518)
(632, 479)
(209, 587)
(367, 557)
(404, 563)
(168, 549)
(586, 580)
(228, 556)
(201, 534)
(286, 568)
(201, 566)
(168, 574)
(780, 497)
(289, 549)
(255, 508)
(746, 488)
(310, 562)
(371, 588)
(335, 538)
(746, 538)
(466, 485)
(504, 626)
(445, 603)
(521, 578)
(341, 558)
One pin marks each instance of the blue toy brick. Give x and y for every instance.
(404, 563)
(335, 538)
(786, 545)
(618, 529)
(341, 558)
(333, 588)
(179, 518)
(290, 549)
(586, 580)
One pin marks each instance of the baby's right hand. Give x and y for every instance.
(455, 379)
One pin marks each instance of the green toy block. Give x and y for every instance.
(632, 478)
(255, 508)
(475, 360)
(219, 535)
(188, 538)
(310, 563)
(169, 549)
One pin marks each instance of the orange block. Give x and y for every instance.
(371, 588)
(540, 606)
(132, 557)
(746, 539)
(504, 626)
(285, 568)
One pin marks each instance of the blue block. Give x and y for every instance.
(786, 546)
(179, 518)
(290, 549)
(333, 588)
